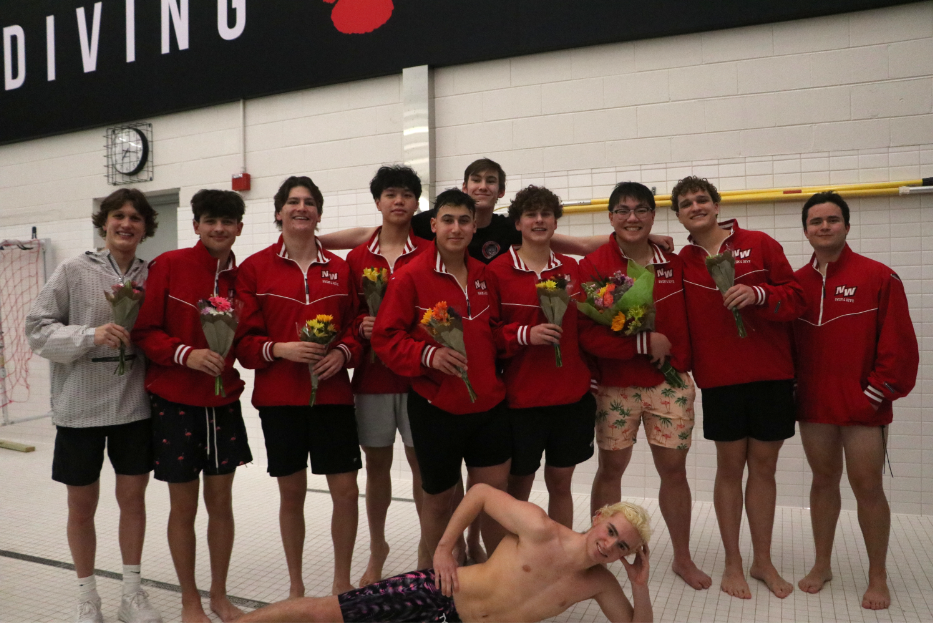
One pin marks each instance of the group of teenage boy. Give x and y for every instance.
(830, 346)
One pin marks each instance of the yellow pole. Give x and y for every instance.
(772, 196)
(792, 193)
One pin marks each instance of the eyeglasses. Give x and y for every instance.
(639, 212)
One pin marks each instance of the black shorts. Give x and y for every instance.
(79, 452)
(564, 433)
(325, 432)
(763, 410)
(187, 440)
(444, 440)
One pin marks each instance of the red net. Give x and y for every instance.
(21, 277)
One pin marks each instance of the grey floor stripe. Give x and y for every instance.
(239, 601)
(362, 495)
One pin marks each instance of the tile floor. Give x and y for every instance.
(37, 585)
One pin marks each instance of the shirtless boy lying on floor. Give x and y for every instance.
(538, 571)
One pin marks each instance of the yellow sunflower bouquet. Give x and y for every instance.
(321, 330)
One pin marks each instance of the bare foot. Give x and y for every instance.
(222, 607)
(341, 587)
(377, 558)
(877, 597)
(193, 612)
(772, 579)
(692, 575)
(733, 583)
(813, 582)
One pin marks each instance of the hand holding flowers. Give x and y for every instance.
(445, 325)
(219, 322)
(721, 268)
(554, 296)
(625, 304)
(125, 299)
(320, 330)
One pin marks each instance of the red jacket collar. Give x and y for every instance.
(838, 265)
(283, 253)
(204, 257)
(410, 245)
(440, 267)
(659, 256)
(519, 264)
(731, 226)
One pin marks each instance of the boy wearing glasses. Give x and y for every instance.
(630, 388)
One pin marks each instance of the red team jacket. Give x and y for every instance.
(407, 349)
(374, 377)
(531, 377)
(277, 299)
(856, 347)
(720, 356)
(168, 327)
(619, 366)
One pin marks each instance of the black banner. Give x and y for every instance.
(72, 65)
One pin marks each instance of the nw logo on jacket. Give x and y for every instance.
(844, 291)
(664, 273)
(739, 254)
(479, 285)
(328, 275)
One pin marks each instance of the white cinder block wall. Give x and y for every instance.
(841, 99)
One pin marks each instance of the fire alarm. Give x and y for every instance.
(241, 181)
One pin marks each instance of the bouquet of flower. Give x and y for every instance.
(219, 321)
(445, 325)
(320, 330)
(125, 299)
(722, 269)
(554, 296)
(374, 288)
(625, 304)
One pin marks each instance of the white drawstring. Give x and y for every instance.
(216, 458)
(207, 422)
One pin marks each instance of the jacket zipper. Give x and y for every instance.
(819, 322)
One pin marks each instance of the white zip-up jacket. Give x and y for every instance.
(60, 327)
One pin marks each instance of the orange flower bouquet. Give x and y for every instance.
(445, 325)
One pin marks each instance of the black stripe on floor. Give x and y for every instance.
(101, 573)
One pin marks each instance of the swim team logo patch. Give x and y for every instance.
(664, 273)
(479, 285)
(741, 254)
(329, 277)
(491, 249)
(845, 294)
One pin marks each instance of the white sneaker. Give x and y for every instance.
(89, 612)
(137, 609)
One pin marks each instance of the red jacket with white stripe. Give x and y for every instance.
(616, 366)
(277, 300)
(407, 349)
(532, 378)
(168, 327)
(856, 349)
(720, 356)
(373, 377)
